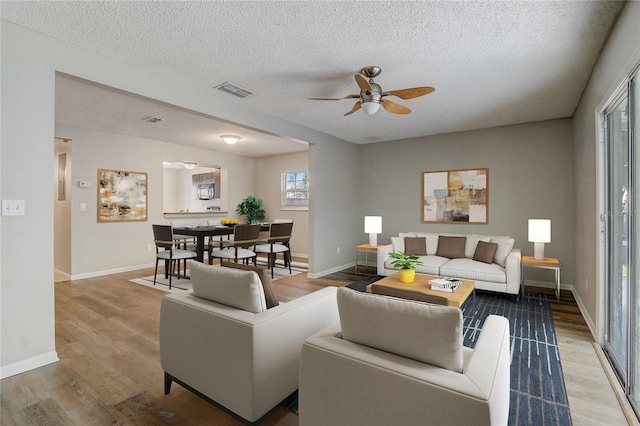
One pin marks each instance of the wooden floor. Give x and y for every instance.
(109, 370)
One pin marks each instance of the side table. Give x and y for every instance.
(366, 248)
(546, 263)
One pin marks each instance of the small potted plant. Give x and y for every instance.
(252, 208)
(407, 264)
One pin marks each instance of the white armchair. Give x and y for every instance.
(236, 352)
(375, 373)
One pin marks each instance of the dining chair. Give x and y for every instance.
(245, 238)
(166, 249)
(188, 242)
(278, 242)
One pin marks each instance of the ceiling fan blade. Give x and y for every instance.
(411, 93)
(352, 96)
(356, 107)
(363, 83)
(394, 107)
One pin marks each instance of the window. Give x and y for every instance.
(294, 190)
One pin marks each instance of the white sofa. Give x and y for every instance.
(397, 362)
(236, 352)
(501, 275)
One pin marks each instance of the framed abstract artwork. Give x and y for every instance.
(456, 196)
(122, 196)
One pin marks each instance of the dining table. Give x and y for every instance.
(201, 232)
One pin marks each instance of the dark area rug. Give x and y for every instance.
(538, 393)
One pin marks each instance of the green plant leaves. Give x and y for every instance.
(252, 208)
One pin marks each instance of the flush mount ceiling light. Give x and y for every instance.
(230, 139)
(190, 165)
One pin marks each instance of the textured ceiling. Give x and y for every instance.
(492, 63)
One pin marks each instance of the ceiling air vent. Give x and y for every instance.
(233, 89)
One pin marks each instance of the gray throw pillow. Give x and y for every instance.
(485, 252)
(265, 280)
(415, 245)
(451, 247)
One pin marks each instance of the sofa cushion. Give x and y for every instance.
(505, 244)
(426, 333)
(408, 294)
(451, 247)
(398, 242)
(415, 245)
(472, 243)
(432, 241)
(270, 296)
(231, 287)
(470, 269)
(485, 252)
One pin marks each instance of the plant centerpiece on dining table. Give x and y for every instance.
(407, 264)
(252, 208)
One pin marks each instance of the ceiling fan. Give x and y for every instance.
(371, 95)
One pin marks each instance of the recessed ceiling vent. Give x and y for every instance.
(233, 89)
(152, 119)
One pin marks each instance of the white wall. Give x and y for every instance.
(62, 212)
(268, 189)
(530, 176)
(28, 64)
(620, 54)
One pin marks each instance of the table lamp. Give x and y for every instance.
(539, 233)
(373, 226)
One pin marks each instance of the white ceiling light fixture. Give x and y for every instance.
(370, 107)
(230, 139)
(190, 165)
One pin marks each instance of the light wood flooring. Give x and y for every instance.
(109, 370)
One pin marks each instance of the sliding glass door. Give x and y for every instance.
(622, 337)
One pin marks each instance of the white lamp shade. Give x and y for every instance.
(539, 230)
(373, 224)
(370, 108)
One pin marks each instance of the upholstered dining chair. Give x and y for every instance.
(278, 242)
(188, 242)
(245, 238)
(166, 249)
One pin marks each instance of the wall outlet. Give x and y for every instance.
(149, 247)
(338, 250)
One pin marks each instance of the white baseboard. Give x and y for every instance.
(28, 364)
(330, 271)
(110, 271)
(585, 315)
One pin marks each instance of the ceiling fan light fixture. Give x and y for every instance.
(230, 139)
(190, 165)
(370, 107)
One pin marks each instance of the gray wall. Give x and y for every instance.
(530, 176)
(620, 54)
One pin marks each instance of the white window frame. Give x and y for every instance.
(283, 191)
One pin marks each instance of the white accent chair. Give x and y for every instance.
(397, 362)
(234, 351)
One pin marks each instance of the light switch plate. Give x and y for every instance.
(83, 184)
(12, 207)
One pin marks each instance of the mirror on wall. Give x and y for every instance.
(197, 189)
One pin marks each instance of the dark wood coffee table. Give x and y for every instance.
(421, 284)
